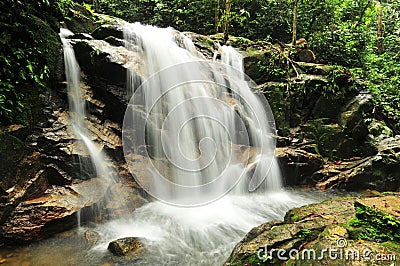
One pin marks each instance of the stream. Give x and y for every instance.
(172, 235)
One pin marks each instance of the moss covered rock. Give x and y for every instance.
(12, 150)
(126, 246)
(317, 234)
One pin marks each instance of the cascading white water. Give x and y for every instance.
(202, 235)
(273, 181)
(77, 110)
(198, 118)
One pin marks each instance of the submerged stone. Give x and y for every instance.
(91, 237)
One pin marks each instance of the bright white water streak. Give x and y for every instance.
(77, 108)
(195, 118)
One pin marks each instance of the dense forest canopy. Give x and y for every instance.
(343, 32)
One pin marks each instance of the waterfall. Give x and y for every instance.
(210, 141)
(77, 110)
(201, 124)
(273, 181)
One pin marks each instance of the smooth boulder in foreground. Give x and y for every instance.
(124, 246)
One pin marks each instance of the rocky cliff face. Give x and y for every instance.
(44, 185)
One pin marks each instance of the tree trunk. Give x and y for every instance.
(226, 20)
(216, 18)
(379, 33)
(294, 36)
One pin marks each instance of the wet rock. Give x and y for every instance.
(297, 164)
(308, 231)
(379, 172)
(355, 109)
(81, 36)
(53, 212)
(37, 198)
(306, 55)
(107, 30)
(105, 67)
(206, 45)
(102, 60)
(115, 41)
(125, 246)
(91, 237)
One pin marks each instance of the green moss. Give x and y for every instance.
(9, 144)
(29, 53)
(12, 150)
(82, 19)
(252, 260)
(370, 224)
(207, 42)
(295, 217)
(392, 246)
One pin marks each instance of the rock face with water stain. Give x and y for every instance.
(317, 234)
(35, 218)
(43, 182)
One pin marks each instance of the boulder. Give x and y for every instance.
(91, 237)
(382, 214)
(53, 212)
(251, 63)
(379, 172)
(126, 246)
(206, 45)
(297, 164)
(314, 69)
(100, 59)
(308, 233)
(81, 20)
(81, 36)
(326, 136)
(306, 55)
(379, 129)
(355, 109)
(328, 107)
(105, 68)
(106, 30)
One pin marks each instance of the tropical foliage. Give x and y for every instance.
(29, 49)
(342, 32)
